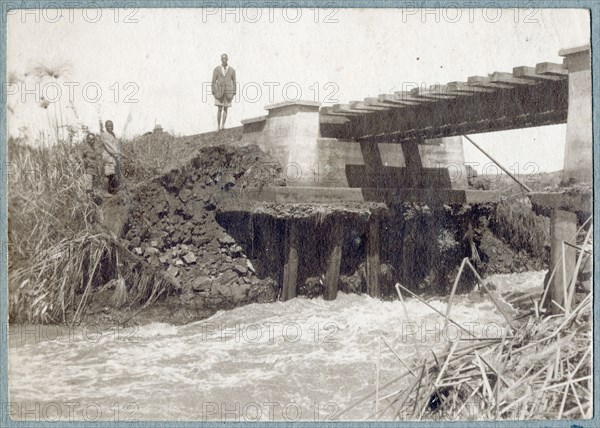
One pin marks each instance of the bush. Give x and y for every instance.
(517, 225)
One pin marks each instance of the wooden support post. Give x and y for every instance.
(290, 268)
(563, 227)
(373, 288)
(373, 163)
(271, 246)
(414, 164)
(334, 260)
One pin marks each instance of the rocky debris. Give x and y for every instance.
(189, 258)
(202, 283)
(235, 251)
(226, 240)
(226, 279)
(172, 271)
(353, 283)
(150, 251)
(311, 288)
(241, 270)
(173, 226)
(184, 195)
(250, 266)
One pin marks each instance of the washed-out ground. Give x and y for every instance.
(179, 220)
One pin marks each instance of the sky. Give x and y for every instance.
(153, 66)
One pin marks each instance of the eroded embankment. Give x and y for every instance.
(220, 251)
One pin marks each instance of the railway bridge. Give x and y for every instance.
(407, 146)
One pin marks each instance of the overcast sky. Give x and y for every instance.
(153, 65)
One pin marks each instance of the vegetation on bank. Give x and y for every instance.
(57, 249)
(517, 225)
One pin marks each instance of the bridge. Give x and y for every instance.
(407, 146)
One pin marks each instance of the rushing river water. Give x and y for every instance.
(301, 359)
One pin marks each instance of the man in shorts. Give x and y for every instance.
(223, 89)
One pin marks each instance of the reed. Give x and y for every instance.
(538, 369)
(59, 251)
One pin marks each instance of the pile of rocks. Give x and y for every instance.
(172, 259)
(172, 225)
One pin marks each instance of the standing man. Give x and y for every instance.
(223, 89)
(91, 162)
(110, 156)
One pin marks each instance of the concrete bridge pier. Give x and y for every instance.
(578, 148)
(577, 169)
(289, 134)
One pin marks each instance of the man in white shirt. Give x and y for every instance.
(223, 89)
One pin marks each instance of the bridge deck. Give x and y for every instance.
(527, 97)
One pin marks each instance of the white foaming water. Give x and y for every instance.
(301, 359)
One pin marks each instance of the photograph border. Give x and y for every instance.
(591, 5)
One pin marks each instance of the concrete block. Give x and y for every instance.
(289, 135)
(578, 147)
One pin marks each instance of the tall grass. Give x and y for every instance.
(516, 224)
(59, 251)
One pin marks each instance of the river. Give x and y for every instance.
(296, 360)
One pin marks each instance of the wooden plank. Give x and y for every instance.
(464, 87)
(330, 112)
(375, 102)
(345, 108)
(574, 50)
(447, 91)
(360, 105)
(334, 261)
(429, 94)
(373, 262)
(336, 119)
(486, 82)
(290, 267)
(409, 96)
(551, 68)
(530, 73)
(394, 99)
(508, 78)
